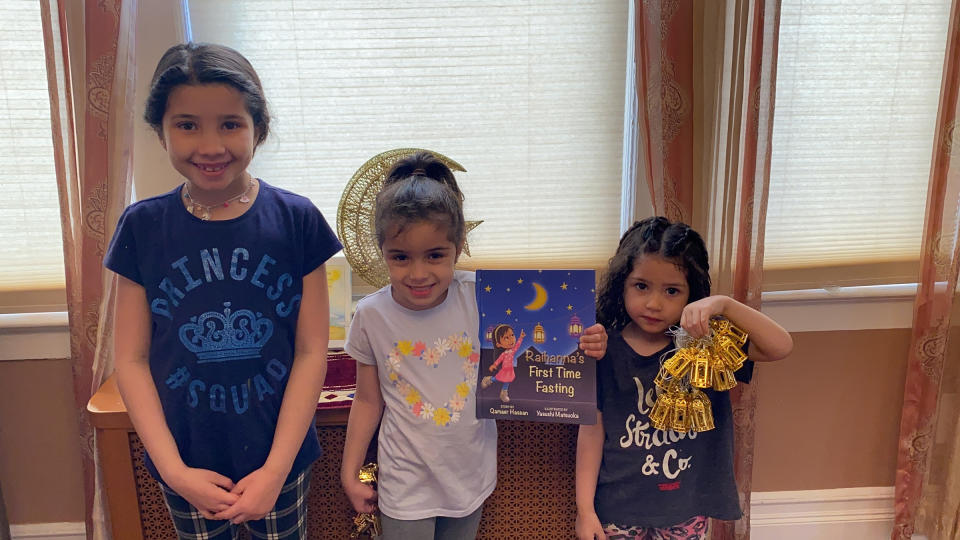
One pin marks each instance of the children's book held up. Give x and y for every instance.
(531, 364)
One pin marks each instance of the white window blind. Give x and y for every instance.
(528, 97)
(31, 247)
(857, 92)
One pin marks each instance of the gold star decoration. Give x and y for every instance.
(509, 311)
(355, 214)
(487, 288)
(469, 226)
(519, 281)
(563, 286)
(569, 307)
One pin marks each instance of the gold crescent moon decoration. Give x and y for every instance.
(539, 300)
(355, 214)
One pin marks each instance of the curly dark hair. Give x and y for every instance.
(420, 188)
(674, 241)
(206, 63)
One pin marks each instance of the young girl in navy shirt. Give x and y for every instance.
(222, 312)
(634, 481)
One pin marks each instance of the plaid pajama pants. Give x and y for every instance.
(694, 528)
(287, 520)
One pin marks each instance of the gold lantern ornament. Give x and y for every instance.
(538, 335)
(708, 362)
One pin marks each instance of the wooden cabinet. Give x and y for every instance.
(534, 496)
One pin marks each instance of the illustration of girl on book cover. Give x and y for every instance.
(506, 345)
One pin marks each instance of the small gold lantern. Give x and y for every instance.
(680, 419)
(723, 379)
(701, 412)
(731, 353)
(702, 374)
(662, 378)
(661, 411)
(538, 334)
(679, 363)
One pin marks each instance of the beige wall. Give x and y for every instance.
(827, 417)
(39, 442)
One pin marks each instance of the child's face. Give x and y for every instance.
(655, 294)
(209, 136)
(420, 260)
(508, 339)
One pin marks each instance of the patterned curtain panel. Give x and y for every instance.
(927, 500)
(92, 134)
(705, 120)
(664, 56)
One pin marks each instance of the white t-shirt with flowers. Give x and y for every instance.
(435, 457)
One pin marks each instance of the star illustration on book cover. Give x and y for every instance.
(531, 364)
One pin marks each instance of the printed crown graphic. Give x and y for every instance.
(227, 336)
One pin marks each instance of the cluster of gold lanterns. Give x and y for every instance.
(367, 525)
(709, 362)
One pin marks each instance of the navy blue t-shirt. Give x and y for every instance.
(651, 477)
(224, 297)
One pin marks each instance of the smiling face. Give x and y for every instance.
(209, 137)
(420, 259)
(654, 295)
(507, 339)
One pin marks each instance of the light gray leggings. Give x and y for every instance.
(434, 528)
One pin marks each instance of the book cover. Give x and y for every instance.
(531, 364)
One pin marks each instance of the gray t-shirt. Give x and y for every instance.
(436, 458)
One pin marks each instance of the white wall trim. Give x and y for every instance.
(49, 531)
(50, 319)
(827, 514)
(842, 308)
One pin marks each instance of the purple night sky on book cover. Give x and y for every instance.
(531, 365)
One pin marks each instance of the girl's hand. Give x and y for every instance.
(257, 492)
(695, 318)
(206, 490)
(362, 496)
(589, 527)
(523, 333)
(594, 341)
(493, 368)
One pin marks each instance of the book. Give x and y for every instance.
(531, 364)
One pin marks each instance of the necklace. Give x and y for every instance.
(202, 211)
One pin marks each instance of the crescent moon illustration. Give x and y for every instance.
(539, 300)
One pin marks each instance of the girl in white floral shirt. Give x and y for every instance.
(417, 350)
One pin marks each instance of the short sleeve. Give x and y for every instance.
(603, 371)
(320, 241)
(121, 255)
(358, 343)
(745, 373)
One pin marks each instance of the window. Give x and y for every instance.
(32, 246)
(527, 97)
(858, 86)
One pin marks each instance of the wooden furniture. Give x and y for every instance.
(534, 496)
